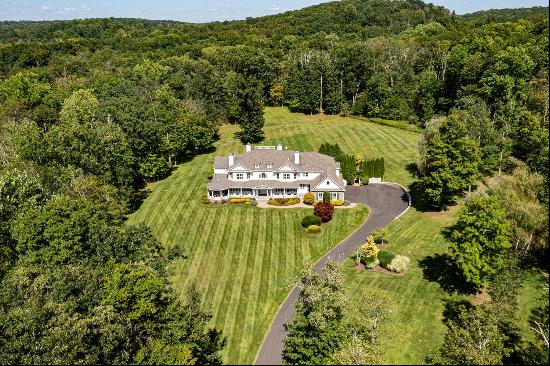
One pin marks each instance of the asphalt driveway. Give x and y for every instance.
(386, 202)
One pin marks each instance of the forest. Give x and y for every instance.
(93, 110)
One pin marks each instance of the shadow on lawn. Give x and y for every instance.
(442, 268)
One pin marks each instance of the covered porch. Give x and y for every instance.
(260, 192)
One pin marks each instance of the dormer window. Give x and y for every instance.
(256, 165)
(269, 165)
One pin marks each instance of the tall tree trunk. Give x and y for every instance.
(321, 98)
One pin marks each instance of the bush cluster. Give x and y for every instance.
(324, 210)
(337, 202)
(399, 264)
(347, 202)
(309, 198)
(311, 229)
(245, 200)
(283, 201)
(311, 220)
(385, 257)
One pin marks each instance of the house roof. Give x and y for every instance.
(273, 160)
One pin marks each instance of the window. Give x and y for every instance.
(269, 165)
(277, 175)
(305, 174)
(248, 175)
(230, 175)
(256, 165)
(334, 195)
(240, 175)
(278, 192)
(328, 183)
(304, 186)
(286, 175)
(295, 175)
(263, 175)
(319, 196)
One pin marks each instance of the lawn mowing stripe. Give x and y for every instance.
(248, 307)
(238, 297)
(231, 297)
(215, 247)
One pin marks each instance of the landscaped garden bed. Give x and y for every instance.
(283, 201)
(371, 256)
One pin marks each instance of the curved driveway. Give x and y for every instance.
(386, 202)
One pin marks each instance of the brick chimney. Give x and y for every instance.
(231, 159)
(296, 157)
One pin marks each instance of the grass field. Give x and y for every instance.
(420, 303)
(244, 257)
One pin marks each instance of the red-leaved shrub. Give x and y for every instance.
(324, 210)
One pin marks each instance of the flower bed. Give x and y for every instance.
(283, 201)
(243, 200)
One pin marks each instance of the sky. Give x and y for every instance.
(198, 11)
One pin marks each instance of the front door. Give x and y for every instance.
(262, 192)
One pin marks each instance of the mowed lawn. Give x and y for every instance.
(245, 258)
(420, 303)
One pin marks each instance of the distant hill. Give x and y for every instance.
(349, 18)
(506, 15)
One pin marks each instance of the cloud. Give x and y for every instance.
(45, 8)
(274, 8)
(80, 9)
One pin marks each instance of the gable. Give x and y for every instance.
(285, 168)
(238, 167)
(327, 184)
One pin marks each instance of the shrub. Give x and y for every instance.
(399, 264)
(385, 257)
(205, 199)
(283, 201)
(370, 262)
(253, 202)
(326, 197)
(241, 200)
(324, 210)
(380, 236)
(347, 203)
(337, 202)
(369, 249)
(311, 220)
(311, 229)
(309, 198)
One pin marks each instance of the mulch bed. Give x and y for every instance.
(377, 268)
(382, 246)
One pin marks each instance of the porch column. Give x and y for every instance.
(241, 192)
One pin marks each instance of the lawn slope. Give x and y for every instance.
(244, 258)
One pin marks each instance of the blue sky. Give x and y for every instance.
(197, 10)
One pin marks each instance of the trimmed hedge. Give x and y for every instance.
(311, 220)
(337, 202)
(385, 257)
(309, 198)
(283, 201)
(312, 229)
(245, 200)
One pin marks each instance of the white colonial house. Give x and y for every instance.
(269, 171)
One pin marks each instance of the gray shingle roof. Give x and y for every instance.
(260, 159)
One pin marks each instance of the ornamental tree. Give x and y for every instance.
(324, 210)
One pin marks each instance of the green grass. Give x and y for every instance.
(242, 257)
(420, 302)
